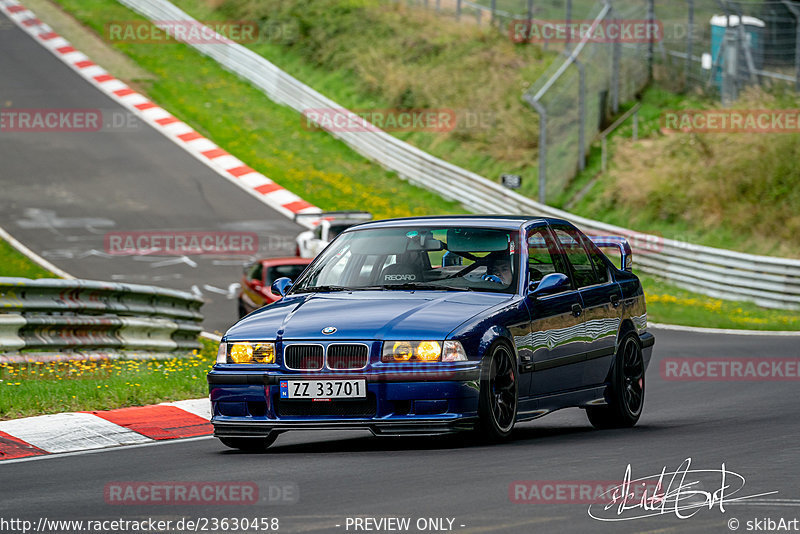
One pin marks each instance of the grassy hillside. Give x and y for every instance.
(373, 54)
(736, 191)
(732, 190)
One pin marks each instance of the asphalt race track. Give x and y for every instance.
(63, 191)
(752, 427)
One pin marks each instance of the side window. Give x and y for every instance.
(541, 260)
(600, 266)
(577, 256)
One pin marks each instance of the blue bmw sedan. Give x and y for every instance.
(435, 325)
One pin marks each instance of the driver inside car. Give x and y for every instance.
(498, 270)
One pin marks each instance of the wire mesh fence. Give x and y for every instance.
(613, 48)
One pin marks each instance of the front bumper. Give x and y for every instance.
(427, 401)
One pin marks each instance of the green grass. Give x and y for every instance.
(36, 389)
(14, 263)
(669, 304)
(269, 137)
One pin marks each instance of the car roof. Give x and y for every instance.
(506, 222)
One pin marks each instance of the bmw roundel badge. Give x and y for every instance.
(328, 330)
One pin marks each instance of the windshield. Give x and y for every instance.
(423, 258)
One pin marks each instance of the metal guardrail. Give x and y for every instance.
(767, 281)
(83, 315)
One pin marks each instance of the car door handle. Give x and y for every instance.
(577, 310)
(615, 300)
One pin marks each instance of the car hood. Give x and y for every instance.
(365, 315)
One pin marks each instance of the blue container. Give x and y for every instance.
(754, 41)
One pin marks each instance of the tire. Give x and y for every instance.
(499, 394)
(626, 391)
(250, 444)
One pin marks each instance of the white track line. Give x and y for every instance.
(150, 443)
(71, 431)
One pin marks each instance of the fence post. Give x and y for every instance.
(581, 115)
(730, 68)
(458, 9)
(478, 16)
(540, 109)
(797, 55)
(744, 49)
(494, 11)
(529, 27)
(615, 56)
(438, 5)
(796, 12)
(689, 44)
(636, 125)
(651, 17)
(568, 44)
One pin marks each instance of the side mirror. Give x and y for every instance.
(552, 283)
(281, 286)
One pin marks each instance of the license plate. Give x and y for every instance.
(323, 389)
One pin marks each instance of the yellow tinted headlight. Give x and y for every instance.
(241, 353)
(402, 351)
(251, 352)
(411, 351)
(429, 351)
(264, 352)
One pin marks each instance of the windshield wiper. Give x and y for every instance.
(415, 285)
(322, 289)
